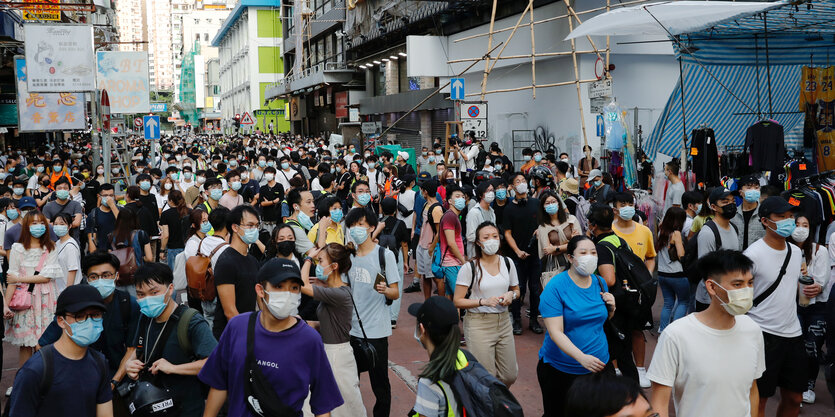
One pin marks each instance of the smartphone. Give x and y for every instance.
(380, 279)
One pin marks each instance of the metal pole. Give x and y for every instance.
(683, 118)
(767, 65)
(94, 136)
(757, 67)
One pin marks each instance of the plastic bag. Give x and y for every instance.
(614, 127)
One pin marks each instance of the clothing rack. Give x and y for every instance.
(810, 180)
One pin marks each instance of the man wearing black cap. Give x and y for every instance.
(290, 354)
(747, 219)
(76, 378)
(722, 203)
(776, 272)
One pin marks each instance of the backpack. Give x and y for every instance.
(129, 259)
(478, 393)
(182, 315)
(635, 301)
(388, 237)
(473, 268)
(199, 275)
(583, 207)
(691, 251)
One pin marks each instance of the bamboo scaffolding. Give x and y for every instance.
(539, 55)
(489, 46)
(576, 73)
(533, 52)
(528, 87)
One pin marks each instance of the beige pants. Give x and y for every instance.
(490, 340)
(344, 367)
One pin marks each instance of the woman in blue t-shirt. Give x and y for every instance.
(574, 305)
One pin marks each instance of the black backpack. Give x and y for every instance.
(636, 301)
(388, 237)
(691, 251)
(479, 393)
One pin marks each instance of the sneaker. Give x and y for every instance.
(9, 392)
(642, 378)
(517, 327)
(394, 324)
(618, 372)
(411, 270)
(536, 328)
(809, 397)
(415, 287)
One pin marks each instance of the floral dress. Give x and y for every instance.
(26, 326)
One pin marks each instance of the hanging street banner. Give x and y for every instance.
(41, 112)
(41, 11)
(125, 77)
(59, 57)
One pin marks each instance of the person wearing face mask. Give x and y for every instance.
(272, 192)
(301, 218)
(492, 284)
(574, 307)
(519, 224)
(159, 357)
(330, 221)
(777, 269)
(58, 172)
(482, 212)
(232, 198)
(187, 181)
(719, 341)
(69, 253)
(527, 157)
(450, 252)
(598, 191)
(275, 337)
(79, 377)
(746, 219)
(556, 228)
(691, 202)
(65, 204)
(816, 264)
(586, 165)
(285, 172)
(722, 203)
(676, 187)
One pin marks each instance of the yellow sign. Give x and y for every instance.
(41, 11)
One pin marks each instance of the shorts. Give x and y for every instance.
(450, 277)
(423, 262)
(785, 365)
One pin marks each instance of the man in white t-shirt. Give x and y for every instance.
(776, 271)
(710, 361)
(676, 188)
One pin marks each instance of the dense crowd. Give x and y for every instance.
(261, 275)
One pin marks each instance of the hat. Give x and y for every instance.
(404, 155)
(717, 194)
(26, 202)
(774, 205)
(276, 271)
(389, 205)
(437, 314)
(570, 186)
(748, 180)
(76, 298)
(423, 177)
(595, 173)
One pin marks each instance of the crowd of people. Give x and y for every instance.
(261, 275)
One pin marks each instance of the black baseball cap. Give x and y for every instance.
(276, 271)
(774, 205)
(423, 177)
(437, 314)
(748, 180)
(718, 193)
(76, 298)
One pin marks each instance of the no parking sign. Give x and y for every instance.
(474, 117)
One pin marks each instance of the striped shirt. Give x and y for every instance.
(430, 400)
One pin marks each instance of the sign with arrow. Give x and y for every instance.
(151, 127)
(600, 126)
(456, 89)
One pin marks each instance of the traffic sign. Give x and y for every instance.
(456, 89)
(105, 111)
(473, 116)
(137, 122)
(602, 88)
(159, 107)
(247, 119)
(600, 126)
(151, 127)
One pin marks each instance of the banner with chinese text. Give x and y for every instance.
(40, 112)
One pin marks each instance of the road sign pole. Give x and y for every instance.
(105, 134)
(94, 137)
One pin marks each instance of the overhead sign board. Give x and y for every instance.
(372, 128)
(159, 107)
(125, 76)
(59, 57)
(41, 11)
(602, 88)
(40, 112)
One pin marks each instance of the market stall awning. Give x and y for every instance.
(677, 17)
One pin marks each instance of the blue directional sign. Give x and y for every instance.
(600, 127)
(456, 86)
(151, 124)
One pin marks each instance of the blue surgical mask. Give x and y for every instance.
(271, 164)
(431, 159)
(39, 169)
(320, 273)
(60, 230)
(285, 165)
(152, 305)
(785, 227)
(145, 185)
(18, 191)
(205, 227)
(37, 230)
(336, 215)
(62, 194)
(752, 196)
(12, 214)
(627, 213)
(597, 183)
(552, 208)
(86, 333)
(698, 208)
(359, 234)
(216, 193)
(104, 285)
(537, 157)
(305, 220)
(235, 185)
(501, 194)
(262, 164)
(460, 203)
(364, 199)
(250, 236)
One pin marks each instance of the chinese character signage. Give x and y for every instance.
(59, 58)
(39, 112)
(40, 11)
(125, 77)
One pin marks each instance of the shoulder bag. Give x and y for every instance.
(22, 297)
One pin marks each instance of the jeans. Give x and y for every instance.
(813, 324)
(379, 375)
(676, 293)
(172, 253)
(555, 384)
(528, 272)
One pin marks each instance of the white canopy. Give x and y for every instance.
(678, 17)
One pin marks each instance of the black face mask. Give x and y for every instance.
(728, 211)
(286, 247)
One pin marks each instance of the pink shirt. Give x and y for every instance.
(450, 222)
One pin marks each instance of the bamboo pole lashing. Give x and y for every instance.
(538, 55)
(576, 75)
(489, 46)
(533, 52)
(528, 87)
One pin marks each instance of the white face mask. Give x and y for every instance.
(269, 177)
(490, 246)
(586, 264)
(283, 304)
(489, 197)
(739, 300)
(522, 188)
(800, 234)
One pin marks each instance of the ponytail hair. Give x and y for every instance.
(340, 255)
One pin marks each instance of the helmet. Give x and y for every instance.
(148, 400)
(481, 176)
(543, 174)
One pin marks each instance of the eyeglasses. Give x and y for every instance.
(81, 318)
(96, 277)
(251, 226)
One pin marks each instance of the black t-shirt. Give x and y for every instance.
(146, 218)
(238, 270)
(176, 227)
(150, 202)
(345, 178)
(400, 233)
(268, 193)
(102, 224)
(520, 219)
